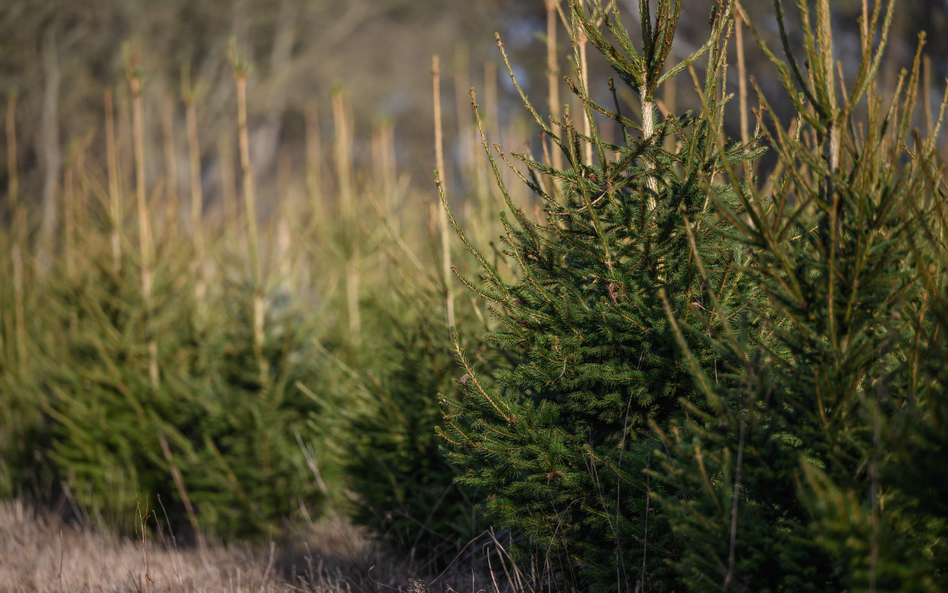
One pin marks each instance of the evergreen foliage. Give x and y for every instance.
(561, 445)
(406, 494)
(208, 433)
(811, 470)
(21, 424)
(402, 488)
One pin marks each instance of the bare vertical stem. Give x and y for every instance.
(343, 150)
(285, 207)
(648, 130)
(343, 156)
(194, 156)
(246, 171)
(115, 200)
(125, 149)
(670, 105)
(443, 218)
(553, 73)
(197, 193)
(864, 22)
(825, 40)
(146, 246)
(582, 41)
(250, 214)
(171, 166)
(927, 93)
(741, 73)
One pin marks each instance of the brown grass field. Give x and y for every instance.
(40, 553)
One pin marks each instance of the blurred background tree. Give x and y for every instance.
(60, 56)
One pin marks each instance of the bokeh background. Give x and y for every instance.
(59, 56)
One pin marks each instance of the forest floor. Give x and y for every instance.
(40, 553)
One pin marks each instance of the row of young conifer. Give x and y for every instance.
(222, 379)
(679, 372)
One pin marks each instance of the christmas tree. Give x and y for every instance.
(811, 470)
(562, 445)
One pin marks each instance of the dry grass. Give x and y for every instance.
(39, 553)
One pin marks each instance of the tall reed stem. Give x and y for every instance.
(443, 218)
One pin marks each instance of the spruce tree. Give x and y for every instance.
(208, 434)
(404, 485)
(561, 445)
(807, 470)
